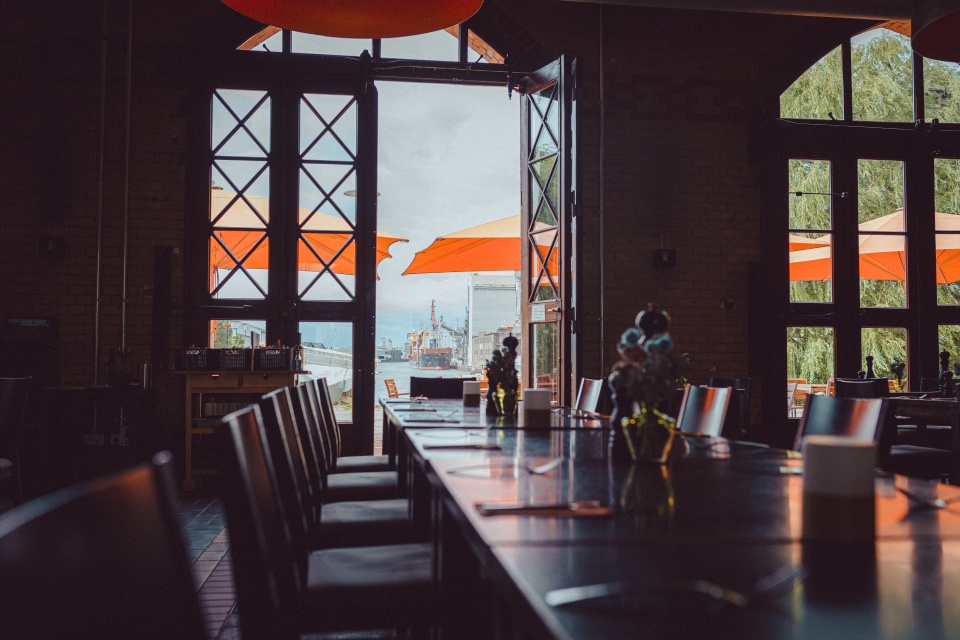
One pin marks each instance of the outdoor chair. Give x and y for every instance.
(392, 389)
(860, 418)
(283, 593)
(703, 410)
(104, 559)
(436, 388)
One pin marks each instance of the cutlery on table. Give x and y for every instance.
(571, 508)
(920, 502)
(421, 420)
(483, 447)
(767, 588)
(415, 409)
(543, 468)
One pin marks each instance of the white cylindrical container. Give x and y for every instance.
(471, 393)
(838, 490)
(536, 408)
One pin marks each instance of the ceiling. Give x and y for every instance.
(865, 9)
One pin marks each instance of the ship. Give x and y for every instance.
(428, 347)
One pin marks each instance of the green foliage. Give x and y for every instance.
(226, 338)
(818, 92)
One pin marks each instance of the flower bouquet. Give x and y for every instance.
(642, 384)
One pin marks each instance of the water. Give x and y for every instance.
(400, 373)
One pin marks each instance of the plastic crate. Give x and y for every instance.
(196, 359)
(273, 359)
(234, 359)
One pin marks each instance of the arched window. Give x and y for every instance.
(871, 212)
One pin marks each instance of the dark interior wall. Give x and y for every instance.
(683, 94)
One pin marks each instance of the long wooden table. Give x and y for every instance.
(727, 513)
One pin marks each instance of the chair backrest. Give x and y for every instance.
(104, 559)
(311, 439)
(289, 465)
(873, 388)
(703, 410)
(738, 418)
(929, 384)
(589, 394)
(326, 417)
(791, 392)
(266, 571)
(436, 387)
(13, 406)
(391, 389)
(854, 417)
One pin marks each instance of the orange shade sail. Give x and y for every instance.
(358, 18)
(240, 230)
(492, 246)
(882, 257)
(799, 243)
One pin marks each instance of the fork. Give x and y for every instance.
(543, 468)
(767, 588)
(928, 503)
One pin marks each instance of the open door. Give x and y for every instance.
(547, 203)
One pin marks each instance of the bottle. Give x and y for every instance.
(297, 358)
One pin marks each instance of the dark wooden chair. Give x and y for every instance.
(861, 418)
(738, 417)
(314, 525)
(703, 410)
(104, 559)
(283, 593)
(921, 438)
(323, 408)
(436, 388)
(872, 388)
(13, 406)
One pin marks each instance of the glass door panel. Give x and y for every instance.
(810, 231)
(882, 234)
(328, 353)
(884, 344)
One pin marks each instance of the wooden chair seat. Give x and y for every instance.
(366, 522)
(353, 464)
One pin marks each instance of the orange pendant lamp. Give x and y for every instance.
(358, 18)
(935, 29)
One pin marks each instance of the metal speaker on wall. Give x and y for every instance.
(935, 29)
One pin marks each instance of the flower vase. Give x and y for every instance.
(649, 435)
(506, 402)
(648, 497)
(623, 406)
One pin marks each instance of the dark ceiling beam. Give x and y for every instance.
(863, 9)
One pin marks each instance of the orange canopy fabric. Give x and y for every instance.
(492, 246)
(799, 243)
(242, 230)
(882, 256)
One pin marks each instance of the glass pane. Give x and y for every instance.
(941, 86)
(544, 123)
(811, 208)
(251, 177)
(948, 268)
(884, 344)
(328, 196)
(810, 354)
(328, 353)
(229, 210)
(325, 45)
(239, 334)
(325, 286)
(226, 284)
(949, 335)
(545, 349)
(946, 180)
(437, 45)
(240, 123)
(880, 195)
(818, 93)
(328, 127)
(882, 76)
(811, 267)
(882, 275)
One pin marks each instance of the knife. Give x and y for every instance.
(572, 508)
(485, 447)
